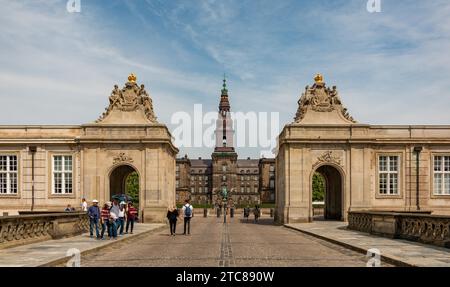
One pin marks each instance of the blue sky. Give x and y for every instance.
(391, 67)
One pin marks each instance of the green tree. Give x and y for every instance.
(318, 187)
(132, 187)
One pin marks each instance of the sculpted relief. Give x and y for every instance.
(328, 157)
(130, 98)
(320, 98)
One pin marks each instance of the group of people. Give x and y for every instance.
(187, 212)
(256, 212)
(115, 218)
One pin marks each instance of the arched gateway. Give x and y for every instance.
(333, 192)
(93, 160)
(366, 167)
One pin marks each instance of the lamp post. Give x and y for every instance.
(417, 150)
(225, 197)
(33, 150)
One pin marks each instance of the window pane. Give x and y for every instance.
(68, 183)
(68, 163)
(383, 183)
(447, 183)
(3, 183)
(393, 163)
(58, 182)
(447, 163)
(437, 163)
(57, 163)
(272, 183)
(393, 184)
(13, 163)
(13, 182)
(438, 184)
(3, 162)
(383, 163)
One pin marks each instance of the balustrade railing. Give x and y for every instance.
(23, 229)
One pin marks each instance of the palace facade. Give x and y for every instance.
(402, 168)
(45, 168)
(246, 181)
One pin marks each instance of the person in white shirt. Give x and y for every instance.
(114, 216)
(121, 222)
(188, 213)
(84, 205)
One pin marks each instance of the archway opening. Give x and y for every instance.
(327, 184)
(124, 180)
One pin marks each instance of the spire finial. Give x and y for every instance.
(224, 90)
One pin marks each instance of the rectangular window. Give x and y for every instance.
(62, 174)
(272, 183)
(192, 190)
(177, 183)
(8, 174)
(441, 175)
(388, 170)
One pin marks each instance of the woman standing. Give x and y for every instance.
(172, 215)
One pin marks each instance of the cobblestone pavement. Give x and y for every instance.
(214, 244)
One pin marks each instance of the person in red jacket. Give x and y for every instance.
(131, 217)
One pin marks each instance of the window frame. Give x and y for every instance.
(63, 174)
(443, 172)
(8, 173)
(399, 172)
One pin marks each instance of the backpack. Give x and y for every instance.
(188, 211)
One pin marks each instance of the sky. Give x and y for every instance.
(390, 67)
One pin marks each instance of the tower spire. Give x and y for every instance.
(224, 103)
(224, 89)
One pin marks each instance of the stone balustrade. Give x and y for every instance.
(25, 229)
(422, 227)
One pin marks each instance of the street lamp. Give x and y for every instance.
(224, 197)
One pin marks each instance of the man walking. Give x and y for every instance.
(188, 212)
(94, 216)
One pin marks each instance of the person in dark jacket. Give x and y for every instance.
(256, 213)
(172, 215)
(94, 216)
(247, 212)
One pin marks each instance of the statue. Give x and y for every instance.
(115, 96)
(131, 98)
(320, 98)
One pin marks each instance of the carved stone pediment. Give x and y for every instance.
(322, 99)
(130, 98)
(328, 157)
(122, 158)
